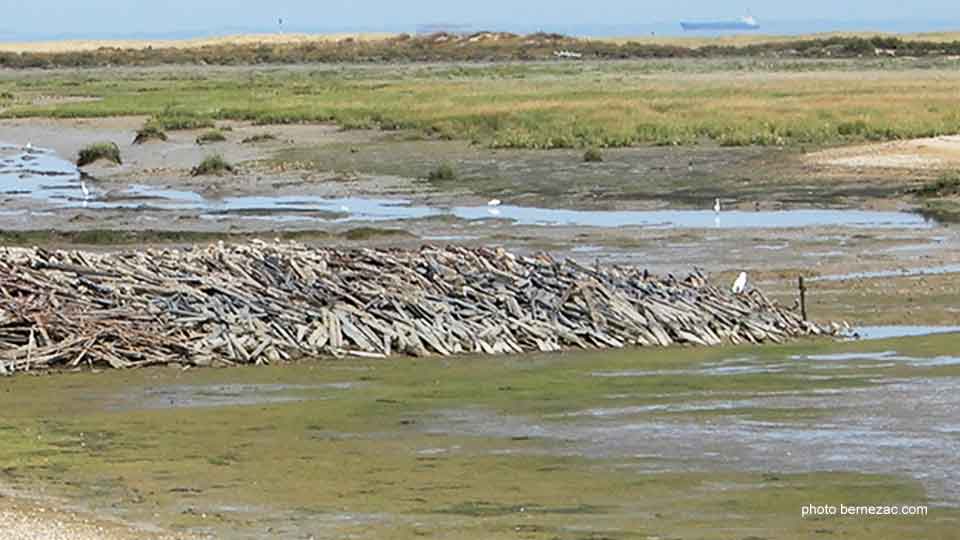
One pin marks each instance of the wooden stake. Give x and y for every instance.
(803, 299)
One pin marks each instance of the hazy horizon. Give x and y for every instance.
(181, 18)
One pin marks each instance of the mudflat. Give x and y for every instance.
(838, 171)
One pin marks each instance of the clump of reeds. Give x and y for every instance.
(99, 151)
(443, 172)
(213, 165)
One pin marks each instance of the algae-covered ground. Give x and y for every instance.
(679, 443)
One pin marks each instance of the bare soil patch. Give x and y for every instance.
(934, 153)
(30, 520)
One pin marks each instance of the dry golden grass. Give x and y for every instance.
(249, 39)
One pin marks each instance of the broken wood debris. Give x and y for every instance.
(262, 303)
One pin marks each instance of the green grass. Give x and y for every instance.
(537, 106)
(213, 165)
(368, 233)
(483, 47)
(943, 211)
(212, 136)
(179, 122)
(941, 198)
(106, 151)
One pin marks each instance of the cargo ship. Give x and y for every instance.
(743, 23)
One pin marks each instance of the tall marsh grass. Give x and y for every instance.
(538, 106)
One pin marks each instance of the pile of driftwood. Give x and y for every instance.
(259, 303)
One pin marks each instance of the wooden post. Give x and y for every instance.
(803, 299)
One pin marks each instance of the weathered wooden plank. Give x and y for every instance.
(263, 302)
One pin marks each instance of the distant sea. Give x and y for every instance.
(672, 28)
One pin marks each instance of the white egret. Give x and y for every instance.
(83, 188)
(495, 202)
(717, 206)
(740, 284)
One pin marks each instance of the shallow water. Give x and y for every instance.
(874, 429)
(377, 209)
(223, 395)
(889, 332)
(906, 272)
(41, 175)
(878, 359)
(38, 174)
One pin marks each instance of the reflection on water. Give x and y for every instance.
(878, 359)
(40, 175)
(223, 395)
(889, 332)
(865, 430)
(906, 272)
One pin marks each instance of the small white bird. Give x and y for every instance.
(83, 188)
(28, 147)
(344, 208)
(716, 206)
(740, 284)
(495, 202)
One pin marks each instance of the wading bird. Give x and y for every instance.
(86, 192)
(740, 284)
(495, 202)
(716, 206)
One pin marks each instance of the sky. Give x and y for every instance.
(121, 17)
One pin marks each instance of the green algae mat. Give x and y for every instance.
(728, 443)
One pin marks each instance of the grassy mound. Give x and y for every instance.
(209, 137)
(180, 122)
(947, 185)
(444, 171)
(149, 132)
(213, 165)
(593, 155)
(260, 137)
(95, 152)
